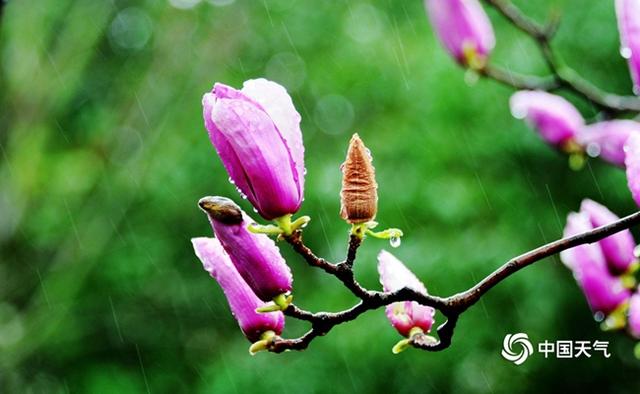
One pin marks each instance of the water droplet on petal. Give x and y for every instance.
(625, 52)
(231, 181)
(519, 111)
(598, 316)
(593, 149)
(242, 195)
(394, 242)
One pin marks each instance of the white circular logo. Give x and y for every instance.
(520, 339)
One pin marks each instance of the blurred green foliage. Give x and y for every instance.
(103, 155)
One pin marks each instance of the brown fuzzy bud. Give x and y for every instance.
(221, 209)
(359, 194)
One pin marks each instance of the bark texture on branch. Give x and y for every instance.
(452, 307)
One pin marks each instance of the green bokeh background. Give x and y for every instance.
(103, 156)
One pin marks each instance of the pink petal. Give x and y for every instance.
(581, 255)
(628, 13)
(556, 119)
(242, 301)
(277, 103)
(608, 139)
(603, 291)
(253, 137)
(617, 248)
(403, 315)
(229, 158)
(394, 275)
(461, 23)
(632, 161)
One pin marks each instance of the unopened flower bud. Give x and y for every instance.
(606, 139)
(241, 298)
(359, 194)
(463, 28)
(604, 291)
(617, 248)
(556, 120)
(256, 132)
(406, 315)
(255, 256)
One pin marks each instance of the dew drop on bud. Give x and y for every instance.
(231, 181)
(519, 111)
(394, 242)
(593, 149)
(242, 195)
(598, 316)
(625, 52)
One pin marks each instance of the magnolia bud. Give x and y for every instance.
(463, 28)
(359, 194)
(241, 298)
(255, 256)
(617, 248)
(256, 132)
(556, 120)
(606, 139)
(407, 315)
(604, 292)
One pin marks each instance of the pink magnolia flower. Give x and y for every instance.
(628, 13)
(556, 119)
(604, 291)
(632, 162)
(617, 248)
(407, 314)
(256, 132)
(633, 322)
(607, 139)
(463, 28)
(255, 256)
(242, 301)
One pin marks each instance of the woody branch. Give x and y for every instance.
(452, 307)
(561, 75)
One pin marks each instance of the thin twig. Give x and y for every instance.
(343, 270)
(518, 81)
(563, 75)
(452, 307)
